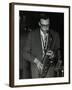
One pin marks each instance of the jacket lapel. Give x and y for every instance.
(50, 40)
(38, 44)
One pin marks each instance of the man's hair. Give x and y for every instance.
(44, 16)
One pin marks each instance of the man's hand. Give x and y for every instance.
(39, 64)
(50, 54)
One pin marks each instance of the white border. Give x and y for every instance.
(17, 81)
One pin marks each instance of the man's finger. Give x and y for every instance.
(49, 53)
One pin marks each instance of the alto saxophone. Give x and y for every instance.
(47, 62)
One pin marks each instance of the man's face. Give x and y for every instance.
(44, 24)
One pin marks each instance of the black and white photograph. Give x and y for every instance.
(39, 44)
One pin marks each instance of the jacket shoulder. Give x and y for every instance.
(54, 33)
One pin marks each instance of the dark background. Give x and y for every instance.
(29, 21)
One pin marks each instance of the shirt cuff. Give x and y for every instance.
(36, 61)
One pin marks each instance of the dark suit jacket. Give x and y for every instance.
(33, 46)
(24, 65)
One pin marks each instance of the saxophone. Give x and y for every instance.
(46, 60)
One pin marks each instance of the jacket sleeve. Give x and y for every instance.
(60, 60)
(57, 46)
(27, 50)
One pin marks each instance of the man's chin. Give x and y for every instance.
(46, 31)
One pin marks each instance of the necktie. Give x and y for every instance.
(45, 44)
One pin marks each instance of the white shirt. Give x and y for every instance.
(43, 39)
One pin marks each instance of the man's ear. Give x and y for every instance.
(39, 23)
